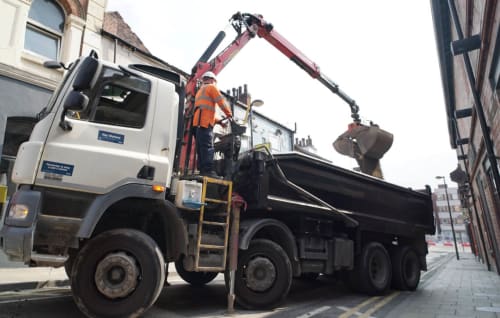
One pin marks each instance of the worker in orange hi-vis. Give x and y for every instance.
(204, 119)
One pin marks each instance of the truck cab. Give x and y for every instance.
(98, 165)
(108, 133)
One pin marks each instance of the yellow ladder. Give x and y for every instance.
(214, 220)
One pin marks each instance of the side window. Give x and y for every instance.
(120, 100)
(494, 75)
(44, 28)
(489, 172)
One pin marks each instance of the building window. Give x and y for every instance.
(488, 171)
(494, 76)
(472, 154)
(44, 28)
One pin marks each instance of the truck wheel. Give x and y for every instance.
(119, 273)
(197, 279)
(372, 272)
(264, 275)
(405, 269)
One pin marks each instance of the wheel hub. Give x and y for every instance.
(378, 271)
(410, 269)
(116, 275)
(260, 274)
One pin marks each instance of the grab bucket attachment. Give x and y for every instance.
(364, 141)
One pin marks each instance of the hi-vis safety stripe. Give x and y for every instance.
(204, 96)
(204, 106)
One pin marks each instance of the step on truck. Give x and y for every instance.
(107, 188)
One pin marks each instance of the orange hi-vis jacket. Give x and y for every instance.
(206, 98)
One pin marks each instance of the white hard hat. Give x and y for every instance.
(209, 75)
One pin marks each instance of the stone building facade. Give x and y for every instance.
(471, 95)
(34, 31)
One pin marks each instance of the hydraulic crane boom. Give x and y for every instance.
(247, 27)
(266, 30)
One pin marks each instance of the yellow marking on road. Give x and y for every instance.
(314, 312)
(352, 311)
(3, 194)
(380, 304)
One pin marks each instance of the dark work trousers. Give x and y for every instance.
(205, 148)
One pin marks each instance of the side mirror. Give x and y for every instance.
(54, 65)
(76, 101)
(85, 74)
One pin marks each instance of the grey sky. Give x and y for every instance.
(381, 53)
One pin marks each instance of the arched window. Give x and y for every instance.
(44, 28)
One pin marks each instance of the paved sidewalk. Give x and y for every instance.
(462, 288)
(13, 279)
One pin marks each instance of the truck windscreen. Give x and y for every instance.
(118, 99)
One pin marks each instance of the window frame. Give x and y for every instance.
(90, 113)
(47, 31)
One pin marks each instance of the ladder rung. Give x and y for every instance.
(217, 214)
(212, 247)
(211, 269)
(217, 181)
(214, 223)
(215, 200)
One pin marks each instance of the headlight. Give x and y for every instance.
(18, 211)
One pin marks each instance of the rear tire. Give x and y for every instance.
(264, 275)
(373, 271)
(119, 273)
(405, 269)
(196, 279)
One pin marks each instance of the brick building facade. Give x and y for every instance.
(468, 45)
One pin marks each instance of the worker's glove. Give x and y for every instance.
(223, 122)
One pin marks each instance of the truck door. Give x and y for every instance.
(108, 143)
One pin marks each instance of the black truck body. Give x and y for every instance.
(319, 202)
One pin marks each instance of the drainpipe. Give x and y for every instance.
(478, 106)
(86, 9)
(114, 50)
(81, 41)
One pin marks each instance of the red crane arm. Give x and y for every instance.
(266, 31)
(247, 26)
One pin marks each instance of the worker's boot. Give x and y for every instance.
(210, 173)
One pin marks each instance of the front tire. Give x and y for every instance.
(196, 279)
(264, 275)
(119, 273)
(405, 269)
